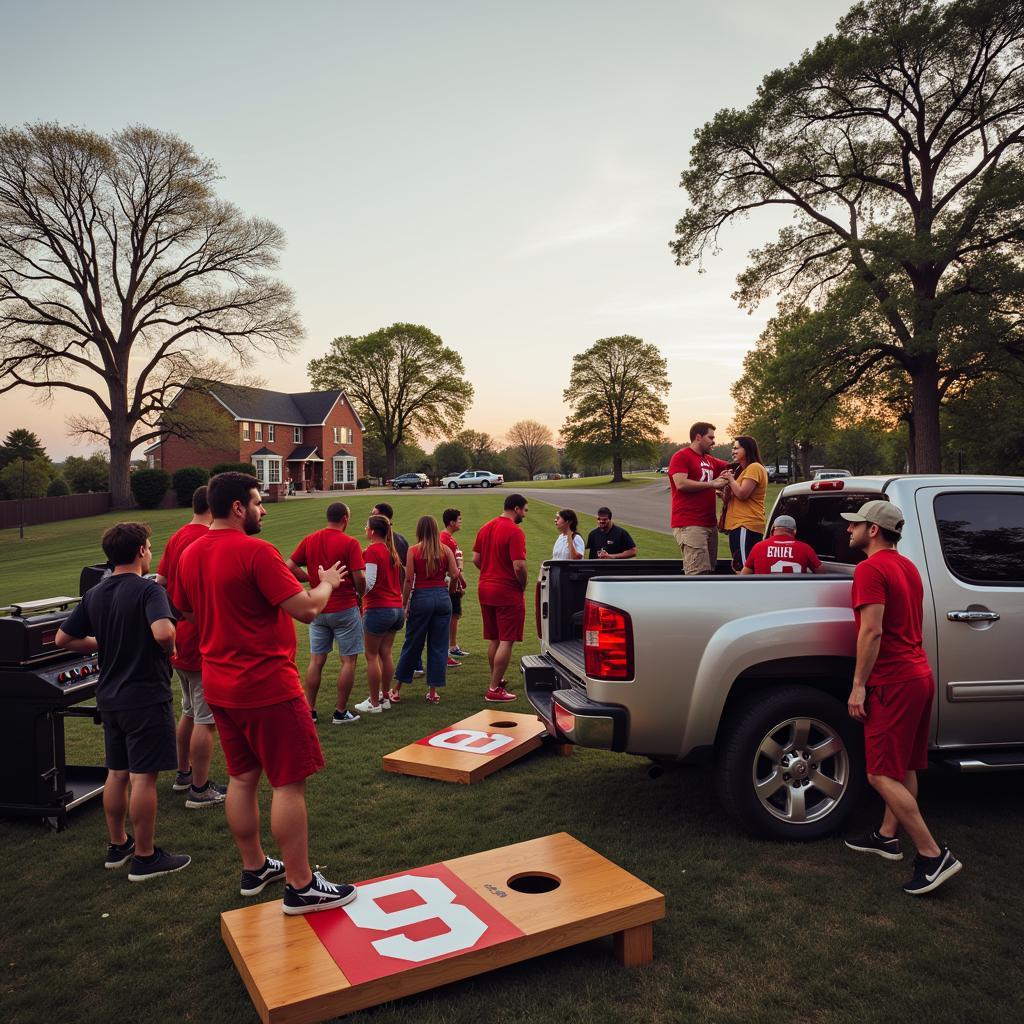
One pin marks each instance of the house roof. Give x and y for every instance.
(305, 409)
(305, 453)
(264, 452)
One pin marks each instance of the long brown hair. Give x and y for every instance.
(429, 542)
(749, 446)
(380, 526)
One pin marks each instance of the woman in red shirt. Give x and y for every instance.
(382, 612)
(430, 570)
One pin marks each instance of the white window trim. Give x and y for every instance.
(271, 433)
(267, 468)
(259, 431)
(343, 469)
(336, 434)
(297, 435)
(245, 430)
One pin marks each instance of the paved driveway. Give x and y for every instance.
(645, 506)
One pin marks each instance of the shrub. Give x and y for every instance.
(87, 474)
(186, 480)
(58, 487)
(362, 483)
(233, 467)
(149, 486)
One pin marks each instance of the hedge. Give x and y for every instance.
(233, 467)
(186, 480)
(149, 486)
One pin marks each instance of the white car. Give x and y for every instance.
(831, 474)
(472, 478)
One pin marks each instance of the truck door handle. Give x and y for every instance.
(966, 616)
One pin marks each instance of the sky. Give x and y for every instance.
(505, 174)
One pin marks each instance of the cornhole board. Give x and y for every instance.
(470, 750)
(429, 926)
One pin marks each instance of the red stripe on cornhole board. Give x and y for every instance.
(406, 920)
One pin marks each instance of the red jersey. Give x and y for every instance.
(500, 543)
(890, 579)
(696, 508)
(325, 547)
(782, 554)
(186, 641)
(385, 576)
(233, 585)
(422, 579)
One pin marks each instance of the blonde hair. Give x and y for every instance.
(429, 542)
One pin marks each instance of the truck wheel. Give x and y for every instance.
(452, 486)
(791, 764)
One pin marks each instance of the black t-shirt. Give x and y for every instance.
(118, 611)
(615, 541)
(401, 545)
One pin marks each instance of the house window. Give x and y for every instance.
(245, 431)
(297, 435)
(275, 470)
(259, 431)
(344, 470)
(268, 471)
(271, 433)
(348, 434)
(337, 435)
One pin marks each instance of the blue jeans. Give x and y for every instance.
(430, 614)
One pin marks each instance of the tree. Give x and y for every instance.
(481, 446)
(403, 380)
(451, 457)
(616, 396)
(21, 443)
(26, 478)
(123, 276)
(530, 443)
(85, 475)
(896, 145)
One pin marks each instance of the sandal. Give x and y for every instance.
(394, 697)
(436, 699)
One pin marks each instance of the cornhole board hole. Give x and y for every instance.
(426, 927)
(470, 750)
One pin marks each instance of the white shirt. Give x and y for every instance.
(561, 548)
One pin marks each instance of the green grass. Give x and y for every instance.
(588, 481)
(755, 931)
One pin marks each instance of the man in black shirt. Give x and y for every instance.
(129, 621)
(609, 540)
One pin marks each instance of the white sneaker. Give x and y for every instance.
(385, 704)
(366, 708)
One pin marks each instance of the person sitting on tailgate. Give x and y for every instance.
(782, 552)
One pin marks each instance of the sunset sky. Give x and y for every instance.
(506, 174)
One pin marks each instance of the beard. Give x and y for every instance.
(252, 522)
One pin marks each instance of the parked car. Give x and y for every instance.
(473, 478)
(663, 469)
(756, 683)
(831, 474)
(778, 474)
(412, 480)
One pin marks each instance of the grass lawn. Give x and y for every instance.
(587, 481)
(755, 931)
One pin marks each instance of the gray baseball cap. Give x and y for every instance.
(784, 523)
(880, 512)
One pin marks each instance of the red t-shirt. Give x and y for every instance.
(422, 579)
(890, 579)
(696, 508)
(233, 586)
(500, 543)
(782, 554)
(186, 641)
(450, 542)
(325, 547)
(387, 584)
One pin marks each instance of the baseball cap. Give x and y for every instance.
(784, 523)
(880, 512)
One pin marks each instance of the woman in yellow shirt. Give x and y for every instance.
(744, 496)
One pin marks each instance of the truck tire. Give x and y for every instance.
(791, 764)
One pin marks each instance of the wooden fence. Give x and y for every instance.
(53, 510)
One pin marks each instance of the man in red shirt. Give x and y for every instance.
(892, 691)
(243, 599)
(694, 475)
(782, 552)
(195, 727)
(340, 621)
(499, 552)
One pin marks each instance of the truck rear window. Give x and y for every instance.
(818, 522)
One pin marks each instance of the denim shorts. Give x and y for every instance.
(379, 621)
(344, 628)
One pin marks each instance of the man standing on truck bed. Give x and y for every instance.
(694, 475)
(892, 691)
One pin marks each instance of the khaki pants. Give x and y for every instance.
(699, 545)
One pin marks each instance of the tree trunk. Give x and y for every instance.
(391, 457)
(120, 464)
(927, 439)
(617, 477)
(804, 448)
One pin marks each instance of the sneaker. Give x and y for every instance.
(452, 663)
(458, 652)
(312, 711)
(364, 707)
(209, 796)
(875, 842)
(254, 882)
(345, 717)
(499, 695)
(417, 672)
(182, 781)
(160, 863)
(118, 856)
(931, 872)
(385, 703)
(318, 895)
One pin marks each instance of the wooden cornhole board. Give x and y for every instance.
(426, 927)
(469, 750)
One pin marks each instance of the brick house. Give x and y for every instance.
(313, 439)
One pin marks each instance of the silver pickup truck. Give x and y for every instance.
(750, 674)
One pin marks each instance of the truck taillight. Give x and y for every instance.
(827, 485)
(607, 641)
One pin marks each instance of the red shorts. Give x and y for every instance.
(503, 621)
(279, 738)
(897, 727)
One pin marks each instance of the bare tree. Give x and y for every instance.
(531, 443)
(123, 277)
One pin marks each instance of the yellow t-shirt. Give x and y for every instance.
(749, 513)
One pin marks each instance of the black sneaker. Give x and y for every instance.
(182, 781)
(312, 711)
(318, 895)
(931, 872)
(254, 882)
(211, 795)
(160, 863)
(343, 717)
(118, 856)
(875, 842)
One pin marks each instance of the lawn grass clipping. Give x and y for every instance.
(755, 931)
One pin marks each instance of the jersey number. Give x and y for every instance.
(787, 567)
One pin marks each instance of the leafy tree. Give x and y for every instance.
(87, 474)
(616, 396)
(481, 446)
(530, 445)
(149, 486)
(896, 145)
(123, 276)
(58, 488)
(451, 457)
(21, 443)
(404, 381)
(26, 478)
